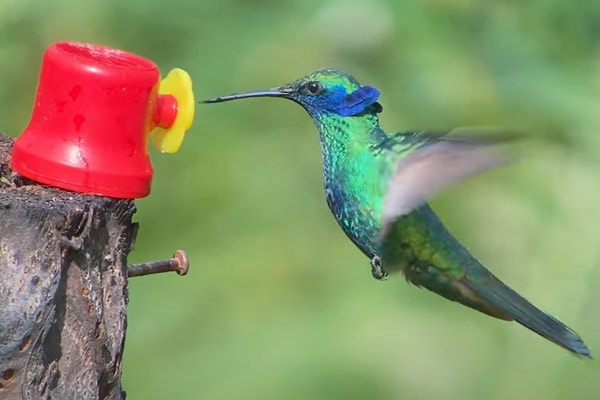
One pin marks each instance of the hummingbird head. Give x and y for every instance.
(326, 91)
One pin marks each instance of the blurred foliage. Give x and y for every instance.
(278, 303)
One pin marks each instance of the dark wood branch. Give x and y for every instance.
(63, 289)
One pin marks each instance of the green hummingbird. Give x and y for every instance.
(377, 186)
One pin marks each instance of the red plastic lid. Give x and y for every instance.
(94, 109)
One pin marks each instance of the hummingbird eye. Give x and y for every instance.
(312, 88)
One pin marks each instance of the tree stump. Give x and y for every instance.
(63, 289)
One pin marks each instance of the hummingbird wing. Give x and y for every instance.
(415, 241)
(437, 164)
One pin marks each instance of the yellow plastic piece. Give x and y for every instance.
(178, 84)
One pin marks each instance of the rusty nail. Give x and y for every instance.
(178, 263)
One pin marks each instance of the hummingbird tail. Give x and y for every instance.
(518, 308)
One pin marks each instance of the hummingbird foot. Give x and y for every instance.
(377, 269)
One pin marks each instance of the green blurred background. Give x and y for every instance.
(278, 303)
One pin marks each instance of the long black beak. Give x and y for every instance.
(276, 92)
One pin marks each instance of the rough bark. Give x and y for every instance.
(63, 290)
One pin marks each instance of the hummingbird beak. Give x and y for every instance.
(275, 92)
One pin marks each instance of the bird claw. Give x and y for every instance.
(377, 269)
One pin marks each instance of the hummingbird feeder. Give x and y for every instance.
(95, 111)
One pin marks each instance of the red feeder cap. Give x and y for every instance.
(94, 109)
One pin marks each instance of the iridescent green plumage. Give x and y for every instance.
(377, 185)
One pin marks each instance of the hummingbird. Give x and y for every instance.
(377, 186)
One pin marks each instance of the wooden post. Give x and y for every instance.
(63, 289)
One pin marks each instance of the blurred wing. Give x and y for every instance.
(434, 167)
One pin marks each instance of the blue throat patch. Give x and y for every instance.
(355, 102)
